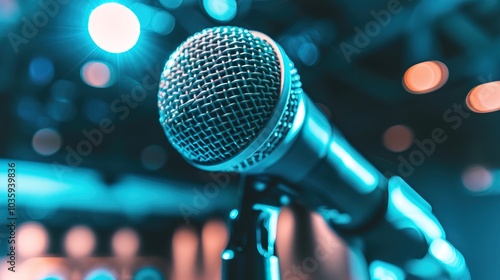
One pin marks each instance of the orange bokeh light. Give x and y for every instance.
(184, 251)
(79, 242)
(96, 74)
(334, 252)
(484, 98)
(32, 240)
(125, 243)
(285, 240)
(214, 239)
(425, 77)
(398, 138)
(477, 179)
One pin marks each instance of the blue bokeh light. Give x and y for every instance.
(41, 70)
(380, 270)
(148, 273)
(221, 10)
(163, 23)
(100, 274)
(53, 277)
(171, 4)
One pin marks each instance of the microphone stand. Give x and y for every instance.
(251, 251)
(407, 229)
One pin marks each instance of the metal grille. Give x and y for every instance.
(217, 92)
(281, 129)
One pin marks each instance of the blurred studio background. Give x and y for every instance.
(101, 194)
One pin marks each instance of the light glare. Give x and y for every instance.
(114, 27)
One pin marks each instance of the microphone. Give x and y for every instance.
(231, 100)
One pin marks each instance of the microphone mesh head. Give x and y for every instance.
(217, 92)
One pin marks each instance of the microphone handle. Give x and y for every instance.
(327, 171)
(391, 220)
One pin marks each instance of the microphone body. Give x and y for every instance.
(231, 100)
(328, 174)
(299, 145)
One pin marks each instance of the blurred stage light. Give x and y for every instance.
(184, 253)
(221, 10)
(425, 77)
(163, 23)
(477, 179)
(148, 273)
(380, 270)
(32, 240)
(153, 157)
(171, 4)
(484, 98)
(336, 254)
(125, 243)
(234, 214)
(304, 45)
(308, 53)
(41, 70)
(42, 268)
(96, 74)
(79, 242)
(214, 240)
(398, 138)
(444, 252)
(9, 11)
(100, 274)
(46, 141)
(285, 235)
(114, 27)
